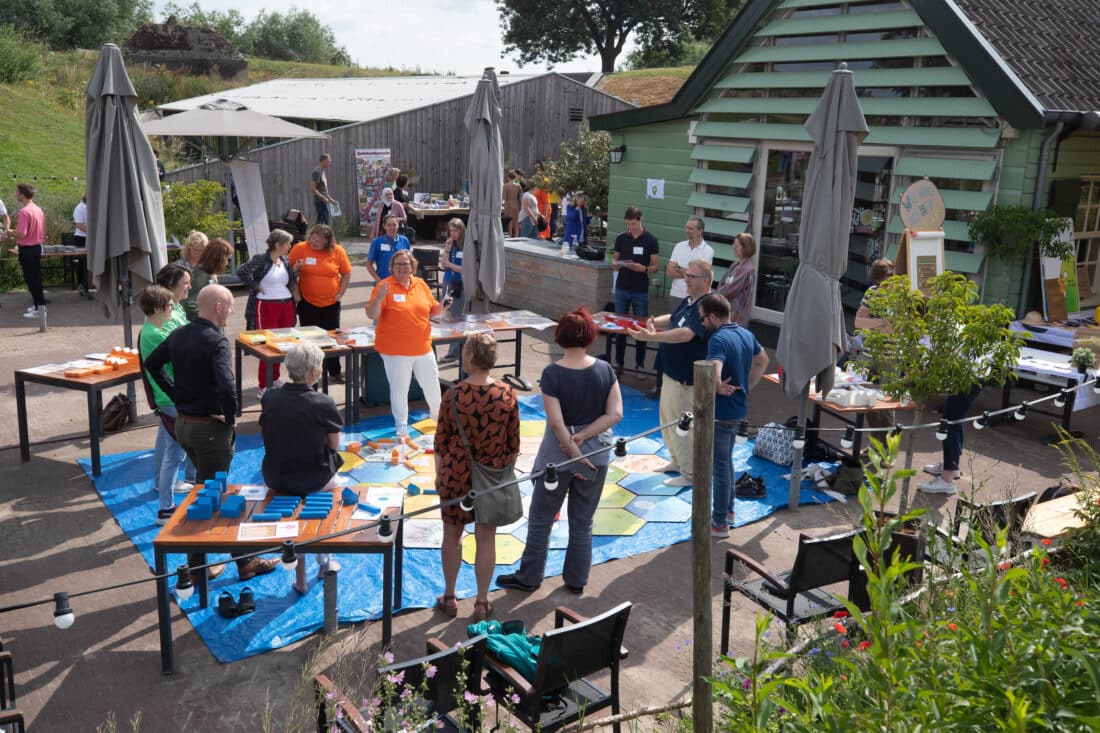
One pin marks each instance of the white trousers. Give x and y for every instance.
(399, 372)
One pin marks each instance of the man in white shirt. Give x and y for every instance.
(80, 229)
(4, 215)
(693, 248)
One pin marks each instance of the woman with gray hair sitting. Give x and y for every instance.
(301, 431)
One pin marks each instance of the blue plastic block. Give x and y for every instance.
(312, 514)
(281, 511)
(200, 510)
(324, 500)
(369, 508)
(431, 492)
(232, 507)
(213, 496)
(349, 496)
(222, 477)
(413, 490)
(266, 517)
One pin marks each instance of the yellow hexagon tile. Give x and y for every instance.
(412, 503)
(422, 463)
(615, 497)
(532, 428)
(425, 426)
(612, 523)
(352, 461)
(423, 480)
(509, 549)
(614, 473)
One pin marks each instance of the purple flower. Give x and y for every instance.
(430, 671)
(469, 697)
(330, 695)
(388, 656)
(514, 698)
(746, 683)
(396, 678)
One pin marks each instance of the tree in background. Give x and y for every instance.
(582, 165)
(229, 24)
(536, 32)
(296, 36)
(66, 24)
(685, 41)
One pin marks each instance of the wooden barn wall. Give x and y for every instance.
(432, 141)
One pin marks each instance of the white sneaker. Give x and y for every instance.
(183, 487)
(34, 312)
(680, 480)
(937, 486)
(934, 469)
(670, 467)
(260, 392)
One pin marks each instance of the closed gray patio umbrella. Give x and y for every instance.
(812, 334)
(483, 274)
(126, 244)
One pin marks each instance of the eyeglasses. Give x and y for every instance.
(402, 265)
(694, 277)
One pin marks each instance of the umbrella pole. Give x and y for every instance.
(796, 466)
(122, 273)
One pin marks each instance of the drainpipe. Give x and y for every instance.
(1037, 203)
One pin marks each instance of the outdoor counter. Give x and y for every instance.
(538, 278)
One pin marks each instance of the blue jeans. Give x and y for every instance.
(529, 228)
(168, 455)
(323, 213)
(629, 302)
(723, 493)
(584, 497)
(956, 407)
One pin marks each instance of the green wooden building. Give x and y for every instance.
(993, 103)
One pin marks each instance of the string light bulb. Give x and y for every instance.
(799, 441)
(684, 426)
(941, 431)
(63, 616)
(290, 557)
(849, 438)
(184, 587)
(385, 527)
(1060, 400)
(1096, 385)
(898, 427)
(742, 433)
(620, 447)
(467, 502)
(982, 421)
(550, 478)
(1021, 411)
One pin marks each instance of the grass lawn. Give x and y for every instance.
(38, 138)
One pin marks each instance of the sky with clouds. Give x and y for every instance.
(438, 36)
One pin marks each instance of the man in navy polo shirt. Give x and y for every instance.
(682, 338)
(739, 362)
(636, 258)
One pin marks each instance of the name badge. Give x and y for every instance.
(639, 250)
(385, 248)
(682, 319)
(458, 255)
(398, 297)
(311, 260)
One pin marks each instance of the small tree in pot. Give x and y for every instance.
(583, 165)
(942, 344)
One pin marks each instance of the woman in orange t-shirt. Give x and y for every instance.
(542, 196)
(324, 274)
(401, 304)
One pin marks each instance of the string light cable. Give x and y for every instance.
(64, 616)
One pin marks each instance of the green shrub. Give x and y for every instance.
(21, 59)
(1006, 646)
(193, 206)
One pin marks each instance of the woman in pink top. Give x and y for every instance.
(29, 233)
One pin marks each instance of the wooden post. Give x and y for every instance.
(703, 466)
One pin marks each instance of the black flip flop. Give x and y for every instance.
(227, 607)
(247, 602)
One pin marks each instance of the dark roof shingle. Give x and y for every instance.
(1052, 45)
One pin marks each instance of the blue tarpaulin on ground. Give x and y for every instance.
(282, 616)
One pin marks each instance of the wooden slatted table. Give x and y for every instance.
(1051, 519)
(200, 537)
(270, 356)
(92, 386)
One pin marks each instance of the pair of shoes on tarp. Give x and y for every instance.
(229, 608)
(750, 487)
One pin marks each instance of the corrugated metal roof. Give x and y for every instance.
(346, 100)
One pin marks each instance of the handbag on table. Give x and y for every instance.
(492, 507)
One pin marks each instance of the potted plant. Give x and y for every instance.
(942, 344)
(1083, 358)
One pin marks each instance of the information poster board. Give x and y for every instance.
(920, 256)
(1059, 279)
(371, 166)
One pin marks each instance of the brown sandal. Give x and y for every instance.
(482, 610)
(448, 605)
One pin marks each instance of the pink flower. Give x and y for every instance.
(430, 671)
(514, 698)
(388, 656)
(469, 697)
(396, 678)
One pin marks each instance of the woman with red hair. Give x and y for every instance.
(582, 403)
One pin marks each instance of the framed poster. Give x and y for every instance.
(371, 166)
(1058, 278)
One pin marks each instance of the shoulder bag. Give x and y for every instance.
(493, 507)
(775, 443)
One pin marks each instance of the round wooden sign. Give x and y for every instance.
(921, 206)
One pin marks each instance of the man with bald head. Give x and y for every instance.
(204, 393)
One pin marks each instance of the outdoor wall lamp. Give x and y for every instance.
(941, 431)
(799, 441)
(849, 438)
(290, 558)
(615, 154)
(1060, 400)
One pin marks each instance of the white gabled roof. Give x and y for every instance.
(346, 100)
